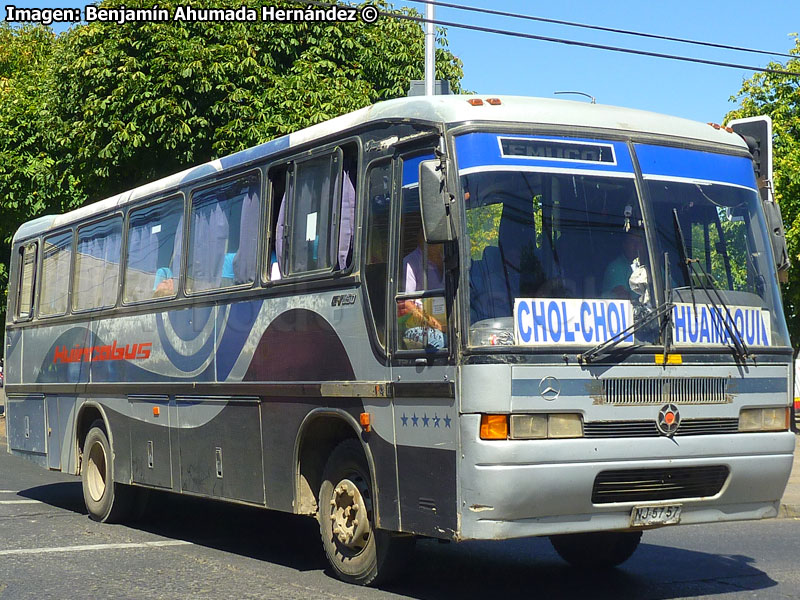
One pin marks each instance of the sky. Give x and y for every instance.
(495, 65)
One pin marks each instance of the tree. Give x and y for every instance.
(779, 97)
(105, 107)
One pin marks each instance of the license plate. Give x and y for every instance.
(643, 516)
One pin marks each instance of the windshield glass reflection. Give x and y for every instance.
(550, 235)
(726, 239)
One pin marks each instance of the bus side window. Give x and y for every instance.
(223, 236)
(279, 178)
(379, 196)
(55, 274)
(421, 315)
(347, 216)
(27, 280)
(312, 211)
(155, 237)
(97, 265)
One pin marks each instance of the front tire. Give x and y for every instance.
(106, 500)
(597, 550)
(358, 552)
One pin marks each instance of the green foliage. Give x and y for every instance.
(105, 107)
(779, 97)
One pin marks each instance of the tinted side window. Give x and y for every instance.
(97, 265)
(55, 274)
(421, 317)
(310, 248)
(155, 237)
(223, 235)
(379, 196)
(27, 278)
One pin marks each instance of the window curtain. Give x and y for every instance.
(209, 245)
(346, 221)
(244, 263)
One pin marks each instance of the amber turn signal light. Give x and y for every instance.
(365, 421)
(494, 427)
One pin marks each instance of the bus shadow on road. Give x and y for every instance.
(66, 495)
(513, 568)
(530, 567)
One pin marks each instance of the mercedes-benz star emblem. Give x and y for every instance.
(669, 418)
(549, 388)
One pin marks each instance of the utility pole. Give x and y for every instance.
(430, 50)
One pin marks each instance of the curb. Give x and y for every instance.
(789, 511)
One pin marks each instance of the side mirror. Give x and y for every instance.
(772, 214)
(434, 202)
(757, 133)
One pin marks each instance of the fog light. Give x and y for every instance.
(528, 427)
(565, 426)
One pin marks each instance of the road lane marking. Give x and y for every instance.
(91, 547)
(21, 502)
(9, 491)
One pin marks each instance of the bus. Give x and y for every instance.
(452, 317)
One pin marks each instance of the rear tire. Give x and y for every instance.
(598, 550)
(106, 500)
(357, 551)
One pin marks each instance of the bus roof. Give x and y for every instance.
(450, 109)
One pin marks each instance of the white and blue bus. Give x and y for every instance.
(456, 317)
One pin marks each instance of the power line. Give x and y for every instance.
(564, 41)
(654, 36)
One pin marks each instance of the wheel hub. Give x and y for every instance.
(96, 471)
(349, 514)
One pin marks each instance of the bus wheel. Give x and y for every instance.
(106, 500)
(357, 551)
(602, 549)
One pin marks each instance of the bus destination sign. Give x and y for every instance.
(557, 150)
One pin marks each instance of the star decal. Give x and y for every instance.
(404, 419)
(415, 419)
(436, 420)
(447, 420)
(425, 420)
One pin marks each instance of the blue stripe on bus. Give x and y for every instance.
(259, 151)
(411, 168)
(481, 149)
(241, 318)
(569, 387)
(696, 164)
(184, 362)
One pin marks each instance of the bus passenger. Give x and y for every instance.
(421, 328)
(618, 272)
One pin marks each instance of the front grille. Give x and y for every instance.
(651, 485)
(661, 390)
(631, 429)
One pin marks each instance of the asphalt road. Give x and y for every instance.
(187, 548)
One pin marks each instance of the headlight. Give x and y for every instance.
(528, 427)
(541, 426)
(492, 332)
(565, 426)
(764, 419)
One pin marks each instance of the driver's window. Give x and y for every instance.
(421, 314)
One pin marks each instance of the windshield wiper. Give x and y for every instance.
(707, 284)
(686, 260)
(615, 340)
(666, 326)
(727, 320)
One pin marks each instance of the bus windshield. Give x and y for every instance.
(561, 255)
(549, 235)
(726, 243)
